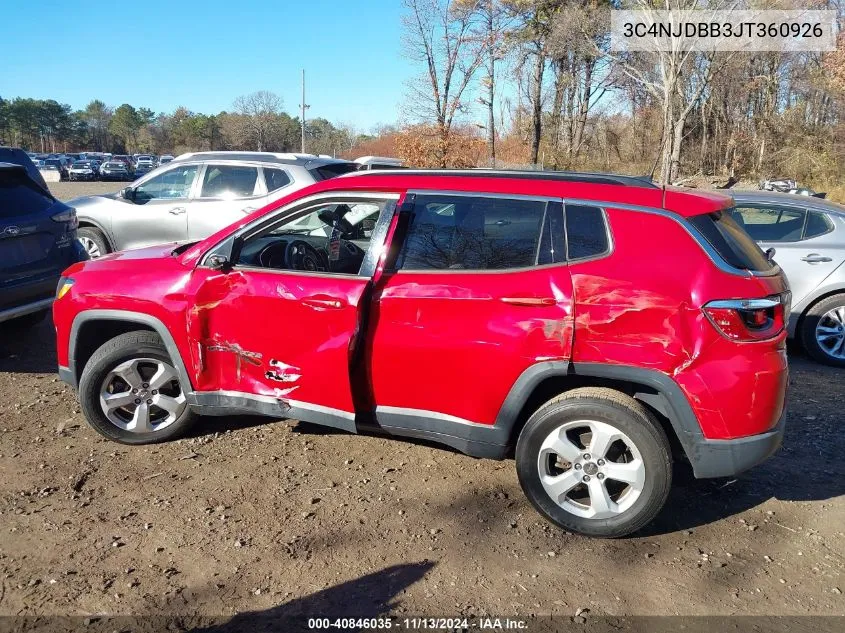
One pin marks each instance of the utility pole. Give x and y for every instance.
(302, 107)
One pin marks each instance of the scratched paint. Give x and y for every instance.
(241, 355)
(279, 373)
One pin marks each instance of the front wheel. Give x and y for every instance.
(131, 393)
(595, 461)
(93, 241)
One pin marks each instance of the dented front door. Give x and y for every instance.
(279, 337)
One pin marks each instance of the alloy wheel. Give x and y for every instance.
(142, 395)
(830, 332)
(591, 469)
(90, 247)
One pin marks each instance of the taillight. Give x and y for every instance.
(748, 320)
(68, 216)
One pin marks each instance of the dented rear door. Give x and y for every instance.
(480, 293)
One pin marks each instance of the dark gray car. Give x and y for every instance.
(808, 235)
(194, 196)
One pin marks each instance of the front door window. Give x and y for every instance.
(331, 237)
(174, 184)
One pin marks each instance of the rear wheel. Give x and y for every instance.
(823, 331)
(131, 393)
(93, 241)
(596, 462)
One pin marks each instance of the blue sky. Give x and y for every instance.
(202, 55)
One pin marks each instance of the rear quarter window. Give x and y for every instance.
(586, 232)
(731, 241)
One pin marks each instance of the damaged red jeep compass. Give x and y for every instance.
(597, 327)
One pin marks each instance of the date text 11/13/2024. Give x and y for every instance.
(416, 623)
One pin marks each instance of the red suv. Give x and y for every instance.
(595, 326)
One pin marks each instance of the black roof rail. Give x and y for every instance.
(563, 176)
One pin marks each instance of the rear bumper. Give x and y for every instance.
(28, 308)
(726, 458)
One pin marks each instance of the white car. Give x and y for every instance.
(195, 195)
(378, 162)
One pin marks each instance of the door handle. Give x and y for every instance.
(529, 301)
(248, 209)
(177, 210)
(815, 258)
(323, 303)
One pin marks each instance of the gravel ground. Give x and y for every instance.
(67, 190)
(278, 517)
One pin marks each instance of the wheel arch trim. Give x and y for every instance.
(669, 399)
(127, 316)
(807, 304)
(85, 220)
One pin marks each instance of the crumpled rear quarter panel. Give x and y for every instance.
(641, 307)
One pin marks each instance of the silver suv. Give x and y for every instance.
(808, 236)
(195, 195)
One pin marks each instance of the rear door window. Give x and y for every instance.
(230, 182)
(473, 233)
(731, 241)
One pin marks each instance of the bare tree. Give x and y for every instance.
(677, 78)
(492, 29)
(446, 42)
(582, 75)
(260, 115)
(536, 18)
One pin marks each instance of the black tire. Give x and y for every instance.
(132, 345)
(26, 321)
(624, 414)
(808, 330)
(97, 237)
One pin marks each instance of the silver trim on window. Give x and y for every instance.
(744, 304)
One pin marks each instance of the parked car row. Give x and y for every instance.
(92, 165)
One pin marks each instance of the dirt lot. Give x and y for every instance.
(68, 190)
(276, 517)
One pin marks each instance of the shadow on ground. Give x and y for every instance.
(366, 597)
(28, 350)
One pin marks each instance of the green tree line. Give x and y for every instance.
(256, 122)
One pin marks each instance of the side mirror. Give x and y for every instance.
(127, 193)
(217, 261)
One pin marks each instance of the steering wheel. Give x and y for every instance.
(300, 255)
